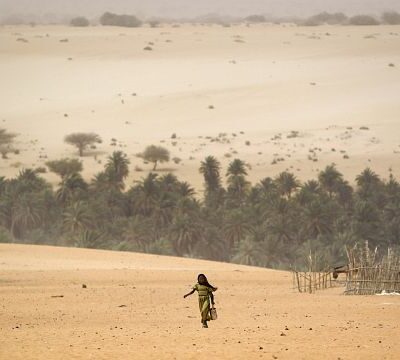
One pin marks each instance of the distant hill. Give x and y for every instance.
(191, 8)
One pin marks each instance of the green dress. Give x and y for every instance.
(204, 301)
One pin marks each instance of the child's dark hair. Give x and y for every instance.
(205, 281)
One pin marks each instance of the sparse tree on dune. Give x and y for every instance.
(6, 142)
(155, 154)
(82, 140)
(65, 167)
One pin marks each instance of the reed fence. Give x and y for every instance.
(309, 282)
(368, 276)
(313, 279)
(365, 273)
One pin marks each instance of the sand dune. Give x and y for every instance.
(261, 80)
(133, 308)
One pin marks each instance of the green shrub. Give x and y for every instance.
(363, 20)
(326, 18)
(80, 21)
(255, 19)
(391, 18)
(110, 19)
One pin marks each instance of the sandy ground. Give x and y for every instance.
(262, 82)
(133, 308)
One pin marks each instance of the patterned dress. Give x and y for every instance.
(204, 301)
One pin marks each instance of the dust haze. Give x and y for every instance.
(192, 8)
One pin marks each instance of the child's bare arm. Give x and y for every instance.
(185, 296)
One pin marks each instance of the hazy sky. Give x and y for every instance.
(190, 8)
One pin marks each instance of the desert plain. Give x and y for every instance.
(133, 308)
(231, 92)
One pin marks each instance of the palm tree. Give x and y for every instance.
(280, 219)
(184, 189)
(367, 179)
(311, 186)
(267, 185)
(162, 211)
(71, 187)
(392, 222)
(308, 192)
(26, 213)
(287, 184)
(28, 180)
(249, 252)
(329, 179)
(187, 205)
(238, 186)
(317, 219)
(140, 233)
(212, 245)
(184, 233)
(88, 239)
(370, 186)
(168, 182)
(3, 185)
(24, 202)
(77, 217)
(366, 220)
(392, 187)
(344, 194)
(210, 168)
(144, 194)
(117, 168)
(237, 168)
(275, 252)
(236, 227)
(101, 182)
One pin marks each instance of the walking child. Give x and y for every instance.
(205, 291)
